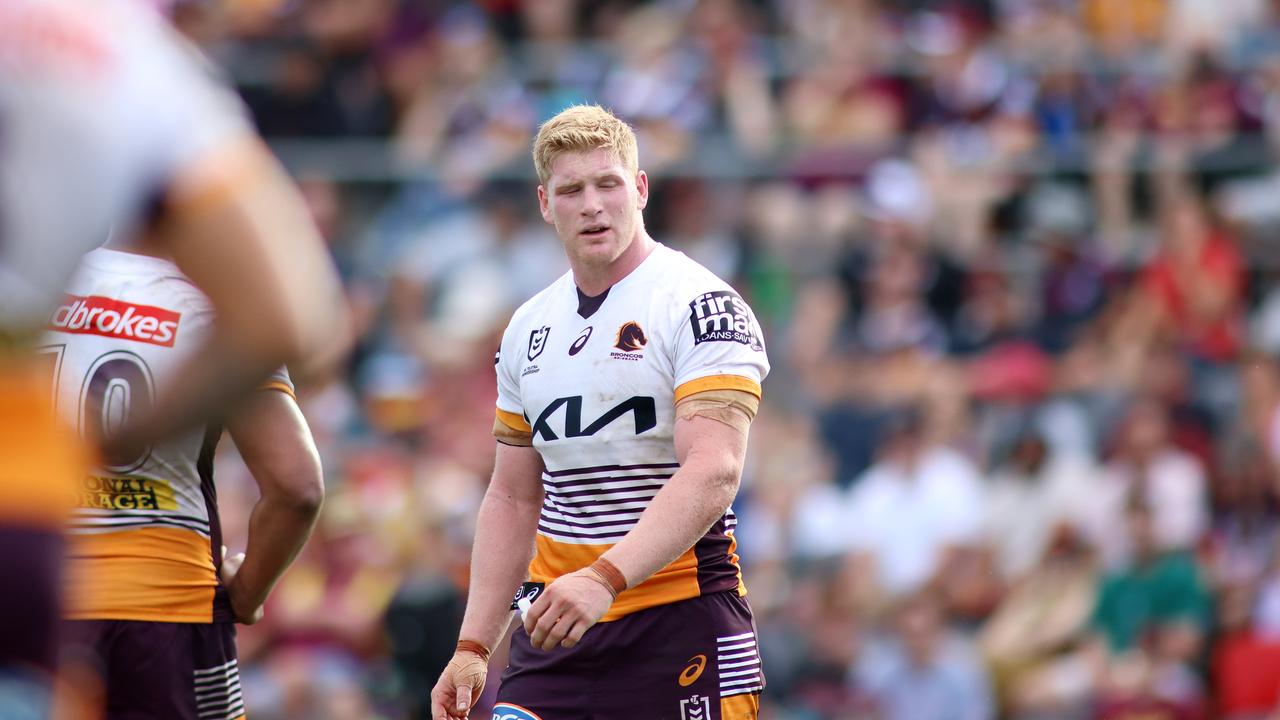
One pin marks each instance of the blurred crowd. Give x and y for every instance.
(1014, 262)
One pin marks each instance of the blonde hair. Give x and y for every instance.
(583, 128)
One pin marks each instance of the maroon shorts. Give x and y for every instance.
(30, 575)
(183, 671)
(691, 660)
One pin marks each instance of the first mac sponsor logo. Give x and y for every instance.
(97, 315)
(722, 316)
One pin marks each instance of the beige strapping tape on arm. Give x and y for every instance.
(735, 408)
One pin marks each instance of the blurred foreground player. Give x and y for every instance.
(106, 116)
(625, 393)
(145, 545)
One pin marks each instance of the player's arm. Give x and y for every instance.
(710, 442)
(711, 454)
(276, 445)
(241, 233)
(503, 547)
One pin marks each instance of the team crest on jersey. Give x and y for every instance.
(631, 337)
(538, 341)
(507, 711)
(722, 316)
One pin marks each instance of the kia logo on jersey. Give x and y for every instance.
(581, 342)
(538, 341)
(643, 411)
(96, 315)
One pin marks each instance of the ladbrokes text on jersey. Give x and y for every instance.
(97, 315)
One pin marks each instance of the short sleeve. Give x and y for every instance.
(279, 381)
(198, 144)
(510, 410)
(111, 111)
(718, 344)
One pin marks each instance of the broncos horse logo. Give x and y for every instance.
(631, 337)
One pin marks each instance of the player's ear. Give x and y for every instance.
(544, 206)
(642, 189)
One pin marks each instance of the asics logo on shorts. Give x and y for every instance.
(697, 664)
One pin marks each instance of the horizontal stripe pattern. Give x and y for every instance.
(738, 664)
(598, 505)
(675, 582)
(87, 520)
(218, 692)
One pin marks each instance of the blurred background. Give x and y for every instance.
(1016, 267)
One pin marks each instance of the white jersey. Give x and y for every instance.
(596, 382)
(145, 530)
(103, 109)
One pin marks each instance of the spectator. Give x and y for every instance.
(1196, 283)
(1153, 615)
(1032, 500)
(912, 513)
(923, 671)
(1148, 468)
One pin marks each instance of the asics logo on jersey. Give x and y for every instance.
(96, 315)
(643, 409)
(631, 337)
(722, 316)
(581, 342)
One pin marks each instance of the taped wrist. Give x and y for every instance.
(472, 646)
(469, 666)
(608, 575)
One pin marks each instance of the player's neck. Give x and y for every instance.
(595, 279)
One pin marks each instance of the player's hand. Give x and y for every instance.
(246, 611)
(459, 686)
(566, 610)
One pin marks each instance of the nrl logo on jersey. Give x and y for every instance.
(538, 341)
(697, 707)
(722, 316)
